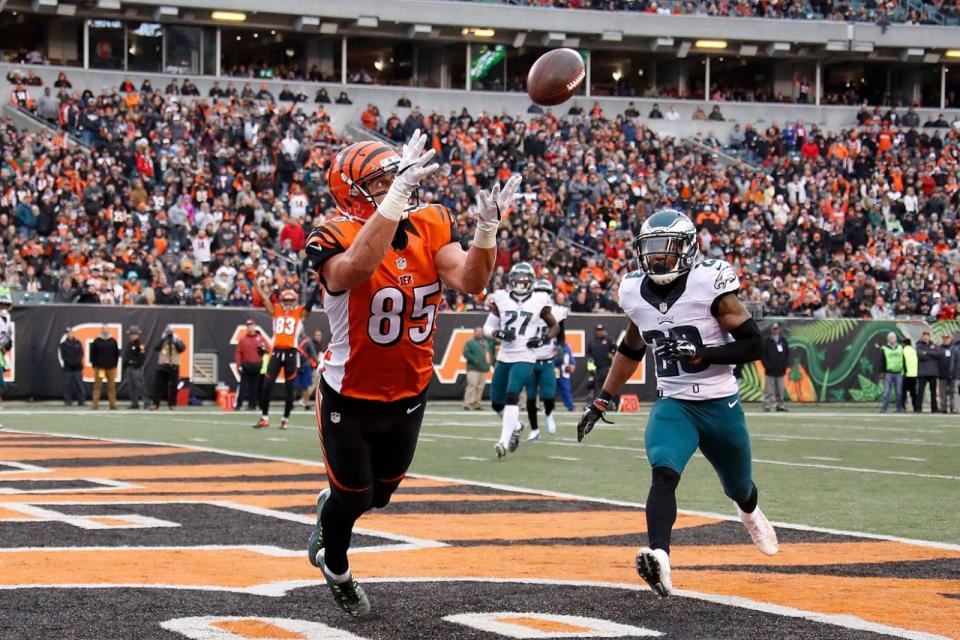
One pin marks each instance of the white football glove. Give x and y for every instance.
(414, 166)
(491, 207)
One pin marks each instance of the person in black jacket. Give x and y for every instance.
(775, 356)
(928, 371)
(104, 356)
(71, 358)
(600, 354)
(947, 373)
(134, 357)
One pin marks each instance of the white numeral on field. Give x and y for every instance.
(249, 627)
(533, 626)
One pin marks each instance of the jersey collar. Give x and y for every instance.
(663, 297)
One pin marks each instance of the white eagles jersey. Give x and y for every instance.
(685, 313)
(547, 351)
(522, 316)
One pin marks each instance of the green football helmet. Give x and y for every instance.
(521, 278)
(666, 246)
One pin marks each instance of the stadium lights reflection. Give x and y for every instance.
(229, 16)
(953, 53)
(710, 44)
(478, 32)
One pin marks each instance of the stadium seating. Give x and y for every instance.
(182, 200)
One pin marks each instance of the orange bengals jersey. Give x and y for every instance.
(286, 326)
(381, 343)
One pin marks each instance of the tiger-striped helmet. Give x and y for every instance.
(289, 299)
(353, 170)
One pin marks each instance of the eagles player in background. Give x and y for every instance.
(686, 311)
(513, 320)
(544, 377)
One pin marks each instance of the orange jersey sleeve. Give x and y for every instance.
(381, 344)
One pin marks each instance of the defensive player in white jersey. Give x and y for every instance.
(686, 310)
(543, 378)
(513, 321)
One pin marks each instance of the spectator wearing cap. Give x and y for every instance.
(775, 356)
(600, 357)
(71, 361)
(248, 357)
(104, 356)
(928, 371)
(134, 357)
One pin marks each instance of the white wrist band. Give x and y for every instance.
(393, 204)
(485, 237)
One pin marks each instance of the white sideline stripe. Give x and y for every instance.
(564, 458)
(474, 458)
(824, 458)
(947, 546)
(280, 589)
(784, 463)
(908, 458)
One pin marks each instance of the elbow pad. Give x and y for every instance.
(633, 354)
(746, 346)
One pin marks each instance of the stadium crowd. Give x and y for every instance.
(187, 202)
(867, 11)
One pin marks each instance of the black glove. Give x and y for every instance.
(508, 335)
(592, 413)
(536, 343)
(670, 350)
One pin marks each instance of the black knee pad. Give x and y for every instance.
(548, 405)
(513, 398)
(497, 406)
(665, 477)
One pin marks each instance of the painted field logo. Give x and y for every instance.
(171, 532)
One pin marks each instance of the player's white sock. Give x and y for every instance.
(511, 417)
(336, 577)
(264, 416)
(551, 424)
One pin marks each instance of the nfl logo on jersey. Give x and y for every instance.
(401, 263)
(663, 307)
(335, 417)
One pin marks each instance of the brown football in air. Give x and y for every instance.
(555, 77)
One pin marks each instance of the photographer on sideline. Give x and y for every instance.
(168, 368)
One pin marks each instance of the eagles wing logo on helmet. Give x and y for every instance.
(666, 246)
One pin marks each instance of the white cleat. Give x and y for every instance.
(760, 530)
(500, 450)
(551, 425)
(534, 435)
(653, 565)
(514, 441)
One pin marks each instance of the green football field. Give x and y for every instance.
(843, 468)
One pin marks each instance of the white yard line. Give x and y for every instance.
(517, 489)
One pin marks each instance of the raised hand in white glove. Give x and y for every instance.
(414, 166)
(492, 207)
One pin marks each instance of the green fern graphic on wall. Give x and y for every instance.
(751, 387)
(869, 391)
(823, 331)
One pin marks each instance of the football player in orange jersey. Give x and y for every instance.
(288, 317)
(383, 264)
